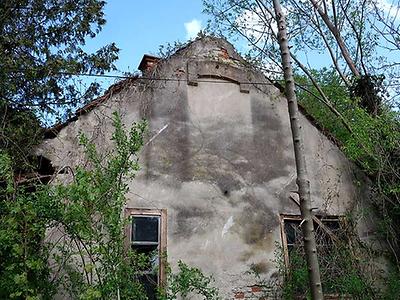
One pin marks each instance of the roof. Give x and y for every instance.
(115, 88)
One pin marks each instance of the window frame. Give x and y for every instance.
(288, 217)
(284, 217)
(162, 235)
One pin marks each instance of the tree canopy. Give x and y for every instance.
(356, 38)
(345, 56)
(42, 48)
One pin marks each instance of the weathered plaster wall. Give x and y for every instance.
(224, 166)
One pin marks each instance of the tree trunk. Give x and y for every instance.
(302, 177)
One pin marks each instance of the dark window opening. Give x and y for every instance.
(146, 235)
(331, 234)
(145, 229)
(145, 241)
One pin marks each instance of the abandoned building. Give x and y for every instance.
(217, 174)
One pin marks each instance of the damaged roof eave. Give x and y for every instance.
(52, 132)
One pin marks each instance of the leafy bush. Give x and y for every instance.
(69, 238)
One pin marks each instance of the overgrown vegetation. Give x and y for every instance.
(41, 46)
(350, 282)
(373, 144)
(353, 98)
(42, 55)
(42, 50)
(69, 237)
(346, 264)
(186, 283)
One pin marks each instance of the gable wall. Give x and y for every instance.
(223, 167)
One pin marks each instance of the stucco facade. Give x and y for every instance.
(221, 162)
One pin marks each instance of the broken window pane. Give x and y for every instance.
(145, 242)
(151, 257)
(329, 235)
(149, 282)
(290, 230)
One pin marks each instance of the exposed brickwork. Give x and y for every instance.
(256, 289)
(255, 292)
(239, 295)
(224, 53)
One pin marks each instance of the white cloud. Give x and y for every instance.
(272, 70)
(192, 28)
(255, 26)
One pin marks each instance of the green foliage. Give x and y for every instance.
(65, 237)
(87, 214)
(24, 270)
(40, 40)
(90, 217)
(373, 143)
(41, 46)
(70, 236)
(350, 281)
(353, 39)
(20, 131)
(337, 94)
(393, 285)
(296, 280)
(187, 282)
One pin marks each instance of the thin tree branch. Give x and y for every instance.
(334, 60)
(339, 40)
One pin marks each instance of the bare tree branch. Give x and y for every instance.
(339, 40)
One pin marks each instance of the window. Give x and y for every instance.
(146, 234)
(327, 230)
(330, 235)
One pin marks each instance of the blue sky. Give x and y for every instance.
(140, 27)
